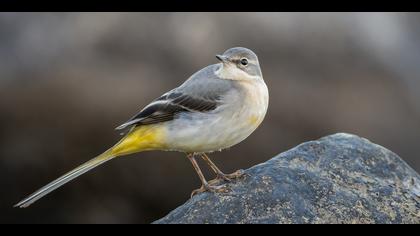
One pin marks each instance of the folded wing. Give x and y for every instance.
(166, 107)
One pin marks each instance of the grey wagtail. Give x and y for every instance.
(216, 108)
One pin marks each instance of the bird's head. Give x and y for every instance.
(239, 64)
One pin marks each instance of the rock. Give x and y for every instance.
(341, 178)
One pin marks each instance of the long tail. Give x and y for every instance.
(69, 176)
(138, 139)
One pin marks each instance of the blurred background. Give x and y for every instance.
(68, 79)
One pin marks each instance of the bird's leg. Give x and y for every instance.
(205, 185)
(216, 170)
(219, 174)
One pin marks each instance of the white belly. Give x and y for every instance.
(224, 127)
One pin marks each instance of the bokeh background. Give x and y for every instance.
(67, 79)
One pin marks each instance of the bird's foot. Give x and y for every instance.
(215, 184)
(235, 175)
(209, 188)
(227, 177)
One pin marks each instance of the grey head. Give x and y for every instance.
(240, 62)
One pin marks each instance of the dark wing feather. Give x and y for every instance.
(196, 104)
(166, 107)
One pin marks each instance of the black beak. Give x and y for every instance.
(221, 58)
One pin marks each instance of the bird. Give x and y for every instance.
(214, 109)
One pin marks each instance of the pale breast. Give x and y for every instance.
(243, 111)
(252, 109)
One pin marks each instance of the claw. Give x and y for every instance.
(235, 175)
(227, 177)
(209, 188)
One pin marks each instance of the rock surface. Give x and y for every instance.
(341, 178)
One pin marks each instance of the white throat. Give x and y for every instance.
(227, 71)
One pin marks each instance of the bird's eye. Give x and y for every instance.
(244, 61)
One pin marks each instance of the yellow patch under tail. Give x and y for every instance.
(142, 138)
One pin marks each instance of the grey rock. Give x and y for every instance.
(341, 178)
